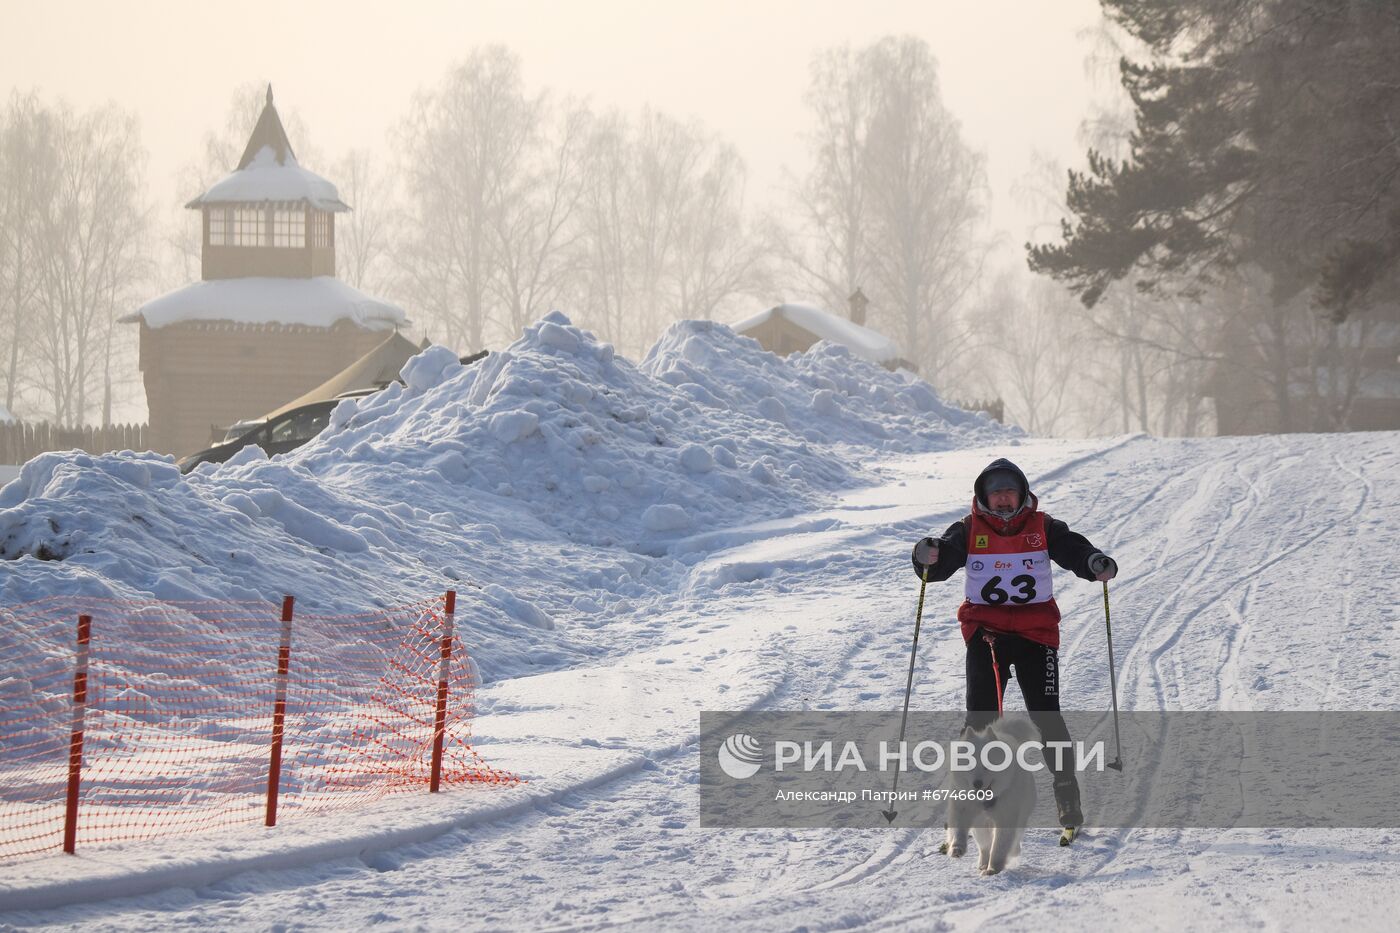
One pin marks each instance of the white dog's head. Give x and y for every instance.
(1015, 730)
(1012, 732)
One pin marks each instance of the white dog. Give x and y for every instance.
(996, 824)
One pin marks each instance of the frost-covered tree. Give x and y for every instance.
(662, 227)
(466, 145)
(827, 250)
(536, 230)
(87, 256)
(27, 166)
(1038, 358)
(927, 197)
(364, 235)
(604, 287)
(719, 258)
(894, 201)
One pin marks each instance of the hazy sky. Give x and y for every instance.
(1012, 70)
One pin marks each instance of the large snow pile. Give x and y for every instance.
(709, 430)
(828, 395)
(551, 483)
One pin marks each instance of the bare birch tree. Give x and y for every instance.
(518, 202)
(27, 167)
(465, 143)
(90, 260)
(364, 236)
(1038, 355)
(719, 260)
(926, 192)
(894, 201)
(535, 231)
(666, 156)
(663, 234)
(605, 292)
(827, 249)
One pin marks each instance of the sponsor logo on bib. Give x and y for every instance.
(980, 541)
(1035, 541)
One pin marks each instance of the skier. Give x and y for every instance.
(1009, 617)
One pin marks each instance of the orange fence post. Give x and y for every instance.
(279, 711)
(75, 742)
(440, 720)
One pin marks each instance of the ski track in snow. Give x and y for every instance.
(1246, 583)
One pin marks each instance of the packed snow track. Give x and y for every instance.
(1244, 585)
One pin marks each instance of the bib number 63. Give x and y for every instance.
(994, 595)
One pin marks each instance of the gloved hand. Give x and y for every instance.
(926, 551)
(1102, 566)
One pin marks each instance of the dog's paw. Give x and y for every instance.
(956, 851)
(989, 870)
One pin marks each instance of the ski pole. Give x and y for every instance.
(1117, 763)
(890, 814)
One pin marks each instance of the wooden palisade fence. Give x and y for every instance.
(21, 440)
(993, 408)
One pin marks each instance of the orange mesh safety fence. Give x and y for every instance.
(178, 727)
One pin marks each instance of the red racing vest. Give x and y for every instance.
(1008, 584)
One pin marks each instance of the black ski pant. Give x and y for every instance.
(1038, 673)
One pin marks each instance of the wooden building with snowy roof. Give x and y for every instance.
(794, 328)
(269, 320)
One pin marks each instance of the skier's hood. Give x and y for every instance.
(1029, 503)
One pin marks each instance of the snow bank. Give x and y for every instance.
(828, 395)
(549, 473)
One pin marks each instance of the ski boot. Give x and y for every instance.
(1067, 805)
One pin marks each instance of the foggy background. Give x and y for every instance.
(630, 164)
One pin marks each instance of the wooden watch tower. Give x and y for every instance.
(269, 320)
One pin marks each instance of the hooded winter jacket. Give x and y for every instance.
(1009, 581)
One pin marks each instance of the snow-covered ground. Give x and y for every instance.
(773, 573)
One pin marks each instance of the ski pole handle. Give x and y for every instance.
(1108, 626)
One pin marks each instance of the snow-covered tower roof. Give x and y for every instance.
(268, 172)
(319, 301)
